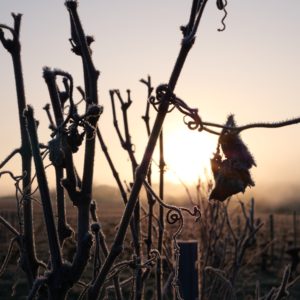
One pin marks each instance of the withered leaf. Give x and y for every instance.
(232, 174)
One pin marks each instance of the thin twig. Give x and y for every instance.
(8, 255)
(9, 226)
(38, 283)
(9, 157)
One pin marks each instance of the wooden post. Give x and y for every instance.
(271, 218)
(188, 269)
(295, 227)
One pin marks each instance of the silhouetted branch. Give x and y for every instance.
(9, 226)
(115, 120)
(44, 191)
(47, 109)
(282, 289)
(122, 283)
(100, 242)
(60, 151)
(239, 129)
(128, 146)
(150, 89)
(159, 269)
(9, 157)
(221, 274)
(194, 121)
(13, 46)
(39, 282)
(80, 46)
(8, 255)
(112, 167)
(151, 200)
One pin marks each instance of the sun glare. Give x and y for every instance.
(187, 156)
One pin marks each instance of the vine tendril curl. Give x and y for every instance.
(222, 6)
(173, 216)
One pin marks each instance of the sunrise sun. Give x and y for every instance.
(187, 155)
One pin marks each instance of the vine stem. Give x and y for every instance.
(9, 226)
(64, 231)
(116, 176)
(239, 129)
(29, 260)
(127, 145)
(9, 157)
(151, 201)
(80, 45)
(159, 269)
(54, 247)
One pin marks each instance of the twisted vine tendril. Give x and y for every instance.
(173, 216)
(163, 92)
(193, 120)
(222, 6)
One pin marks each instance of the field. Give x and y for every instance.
(264, 260)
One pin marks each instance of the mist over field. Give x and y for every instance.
(268, 198)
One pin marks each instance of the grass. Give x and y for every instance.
(13, 280)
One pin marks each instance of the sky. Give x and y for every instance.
(252, 70)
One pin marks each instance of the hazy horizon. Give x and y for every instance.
(177, 193)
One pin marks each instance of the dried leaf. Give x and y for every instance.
(232, 174)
